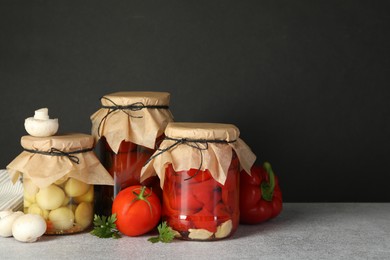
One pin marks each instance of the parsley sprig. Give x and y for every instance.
(166, 234)
(105, 227)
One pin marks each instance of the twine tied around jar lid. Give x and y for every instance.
(132, 107)
(45, 160)
(194, 143)
(119, 118)
(57, 152)
(199, 146)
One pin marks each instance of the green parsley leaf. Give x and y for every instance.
(166, 234)
(105, 227)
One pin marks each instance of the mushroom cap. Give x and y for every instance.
(28, 228)
(41, 128)
(7, 222)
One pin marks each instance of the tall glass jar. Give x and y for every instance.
(129, 125)
(199, 166)
(59, 174)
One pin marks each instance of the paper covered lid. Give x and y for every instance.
(202, 131)
(199, 146)
(47, 159)
(125, 98)
(137, 117)
(65, 142)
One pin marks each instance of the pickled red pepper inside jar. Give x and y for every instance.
(129, 125)
(59, 174)
(199, 165)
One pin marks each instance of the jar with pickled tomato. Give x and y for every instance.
(59, 174)
(128, 127)
(199, 165)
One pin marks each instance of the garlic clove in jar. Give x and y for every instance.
(75, 188)
(224, 229)
(84, 214)
(87, 197)
(41, 125)
(50, 197)
(62, 218)
(200, 234)
(28, 228)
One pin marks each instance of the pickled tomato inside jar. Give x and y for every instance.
(198, 206)
(125, 166)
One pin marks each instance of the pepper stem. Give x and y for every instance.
(267, 188)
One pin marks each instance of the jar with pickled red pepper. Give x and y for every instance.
(199, 165)
(128, 125)
(59, 174)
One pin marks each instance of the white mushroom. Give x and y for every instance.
(6, 223)
(41, 125)
(5, 213)
(28, 228)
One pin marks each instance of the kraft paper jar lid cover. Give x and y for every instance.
(45, 160)
(205, 145)
(137, 117)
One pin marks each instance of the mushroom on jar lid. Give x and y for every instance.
(41, 125)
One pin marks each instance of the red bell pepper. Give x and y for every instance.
(260, 195)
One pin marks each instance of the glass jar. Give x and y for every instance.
(199, 207)
(59, 174)
(201, 179)
(66, 205)
(129, 125)
(125, 168)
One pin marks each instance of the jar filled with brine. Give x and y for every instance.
(129, 125)
(199, 165)
(59, 174)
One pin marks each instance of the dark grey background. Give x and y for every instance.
(307, 82)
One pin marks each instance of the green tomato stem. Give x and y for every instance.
(141, 196)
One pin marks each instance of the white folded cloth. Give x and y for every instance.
(11, 195)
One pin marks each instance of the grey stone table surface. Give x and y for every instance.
(302, 231)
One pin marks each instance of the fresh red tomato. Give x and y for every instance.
(153, 183)
(137, 209)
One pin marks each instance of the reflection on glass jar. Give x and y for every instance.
(125, 168)
(66, 205)
(200, 208)
(59, 174)
(128, 127)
